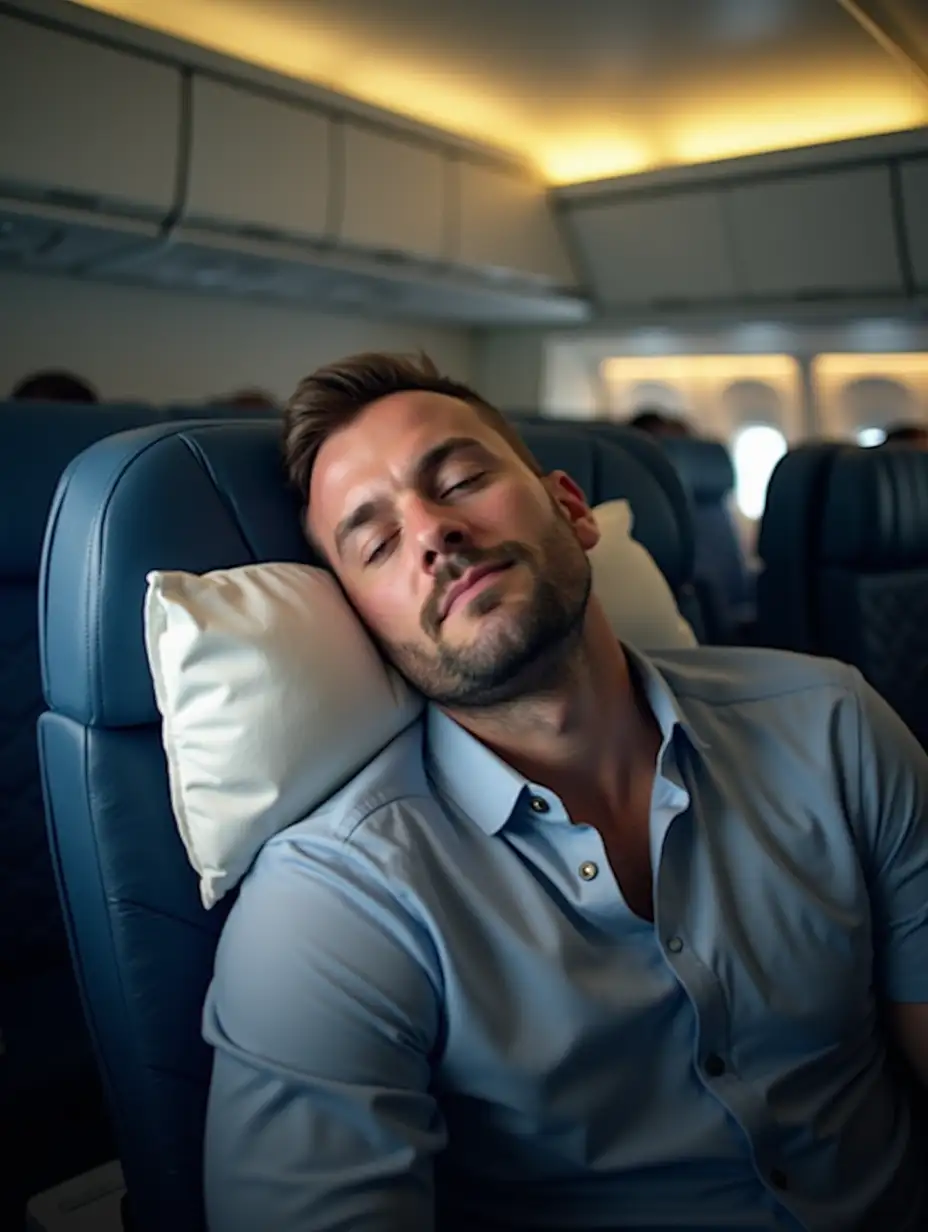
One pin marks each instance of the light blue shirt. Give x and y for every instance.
(433, 1009)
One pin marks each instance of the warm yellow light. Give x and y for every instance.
(802, 122)
(850, 100)
(700, 387)
(576, 158)
(686, 369)
(248, 32)
(337, 59)
(428, 93)
(832, 374)
(849, 367)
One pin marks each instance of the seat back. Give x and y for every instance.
(38, 441)
(722, 575)
(196, 498)
(788, 547)
(48, 1064)
(871, 584)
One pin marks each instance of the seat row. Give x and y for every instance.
(105, 948)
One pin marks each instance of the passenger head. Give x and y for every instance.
(647, 421)
(248, 400)
(913, 435)
(675, 426)
(657, 423)
(467, 564)
(54, 386)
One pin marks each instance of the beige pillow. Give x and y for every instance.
(637, 597)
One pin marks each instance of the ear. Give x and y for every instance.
(569, 498)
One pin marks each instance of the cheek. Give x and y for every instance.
(509, 512)
(388, 606)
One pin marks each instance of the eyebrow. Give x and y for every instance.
(431, 461)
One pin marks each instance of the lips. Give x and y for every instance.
(465, 582)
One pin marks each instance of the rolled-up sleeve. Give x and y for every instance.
(324, 1014)
(887, 774)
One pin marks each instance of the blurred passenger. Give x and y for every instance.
(914, 435)
(248, 400)
(54, 386)
(657, 423)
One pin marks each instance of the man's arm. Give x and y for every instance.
(892, 810)
(323, 1012)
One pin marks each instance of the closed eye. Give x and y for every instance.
(379, 549)
(470, 481)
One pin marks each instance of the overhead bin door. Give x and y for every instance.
(503, 222)
(394, 193)
(914, 177)
(651, 250)
(257, 162)
(828, 233)
(85, 124)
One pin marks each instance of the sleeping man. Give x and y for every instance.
(604, 940)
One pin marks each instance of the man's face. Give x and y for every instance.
(469, 570)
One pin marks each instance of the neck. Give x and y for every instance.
(588, 734)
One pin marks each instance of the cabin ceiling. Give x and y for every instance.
(593, 88)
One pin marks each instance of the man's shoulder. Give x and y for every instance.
(734, 675)
(361, 836)
(393, 777)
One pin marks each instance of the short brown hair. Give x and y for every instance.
(331, 397)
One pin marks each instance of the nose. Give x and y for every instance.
(437, 532)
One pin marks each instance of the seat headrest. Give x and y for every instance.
(202, 496)
(614, 463)
(795, 500)
(876, 510)
(38, 441)
(194, 497)
(704, 466)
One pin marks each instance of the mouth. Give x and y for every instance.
(467, 585)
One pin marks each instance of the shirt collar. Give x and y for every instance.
(487, 790)
(660, 697)
(471, 776)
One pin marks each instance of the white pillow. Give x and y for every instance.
(635, 594)
(272, 694)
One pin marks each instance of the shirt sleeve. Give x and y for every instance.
(889, 768)
(323, 1014)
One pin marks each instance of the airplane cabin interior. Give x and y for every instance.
(682, 245)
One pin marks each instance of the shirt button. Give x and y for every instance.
(675, 945)
(539, 805)
(779, 1179)
(715, 1066)
(588, 870)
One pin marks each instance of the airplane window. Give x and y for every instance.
(868, 437)
(756, 449)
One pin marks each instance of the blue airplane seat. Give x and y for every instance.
(195, 497)
(788, 547)
(871, 587)
(50, 1100)
(844, 541)
(51, 1105)
(723, 578)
